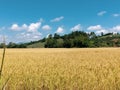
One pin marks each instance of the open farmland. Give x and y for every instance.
(62, 69)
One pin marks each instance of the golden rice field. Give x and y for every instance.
(62, 69)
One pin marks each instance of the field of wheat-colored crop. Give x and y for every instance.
(62, 69)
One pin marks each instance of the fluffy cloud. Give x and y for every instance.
(60, 30)
(116, 15)
(30, 28)
(30, 32)
(34, 27)
(29, 36)
(102, 31)
(96, 27)
(101, 13)
(116, 28)
(16, 27)
(46, 27)
(57, 19)
(76, 28)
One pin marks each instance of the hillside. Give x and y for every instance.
(77, 39)
(36, 45)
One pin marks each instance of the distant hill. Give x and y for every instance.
(36, 45)
(77, 39)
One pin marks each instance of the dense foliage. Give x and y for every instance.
(77, 39)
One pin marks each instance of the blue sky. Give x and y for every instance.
(29, 20)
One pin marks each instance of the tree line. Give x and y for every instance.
(76, 39)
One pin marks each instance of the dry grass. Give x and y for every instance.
(62, 69)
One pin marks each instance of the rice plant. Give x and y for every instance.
(62, 69)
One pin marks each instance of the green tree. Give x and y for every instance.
(56, 36)
(11, 45)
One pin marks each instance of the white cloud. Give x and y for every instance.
(24, 26)
(29, 36)
(101, 13)
(76, 28)
(57, 19)
(60, 30)
(102, 31)
(30, 32)
(16, 27)
(116, 15)
(96, 27)
(116, 28)
(46, 27)
(30, 28)
(34, 27)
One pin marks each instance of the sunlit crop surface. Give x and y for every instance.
(62, 69)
